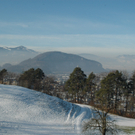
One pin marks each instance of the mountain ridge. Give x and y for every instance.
(18, 48)
(56, 62)
(120, 62)
(15, 55)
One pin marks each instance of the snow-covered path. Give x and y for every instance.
(28, 112)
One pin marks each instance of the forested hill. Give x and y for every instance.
(58, 63)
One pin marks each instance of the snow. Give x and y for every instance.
(7, 48)
(28, 112)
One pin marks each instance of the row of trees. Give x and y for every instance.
(116, 87)
(119, 90)
(80, 86)
(32, 79)
(37, 80)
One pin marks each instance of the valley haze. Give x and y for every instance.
(17, 55)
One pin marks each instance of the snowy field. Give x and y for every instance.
(28, 112)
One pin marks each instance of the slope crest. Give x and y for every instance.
(28, 105)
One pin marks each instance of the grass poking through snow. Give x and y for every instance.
(127, 130)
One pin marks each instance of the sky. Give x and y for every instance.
(100, 27)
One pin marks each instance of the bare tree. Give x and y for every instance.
(11, 77)
(101, 122)
(48, 84)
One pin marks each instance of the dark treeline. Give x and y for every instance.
(33, 79)
(37, 80)
(116, 87)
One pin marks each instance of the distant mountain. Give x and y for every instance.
(19, 48)
(15, 55)
(107, 62)
(121, 62)
(126, 58)
(58, 63)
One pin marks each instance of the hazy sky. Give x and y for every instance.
(101, 27)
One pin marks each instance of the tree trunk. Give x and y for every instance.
(104, 124)
(104, 131)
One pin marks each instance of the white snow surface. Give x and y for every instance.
(28, 112)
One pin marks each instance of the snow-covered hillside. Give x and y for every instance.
(28, 112)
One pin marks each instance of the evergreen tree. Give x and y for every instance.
(112, 88)
(126, 92)
(132, 87)
(76, 82)
(38, 76)
(31, 78)
(3, 72)
(133, 83)
(27, 79)
(90, 85)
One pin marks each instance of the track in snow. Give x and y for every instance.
(25, 111)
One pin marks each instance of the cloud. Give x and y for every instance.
(79, 39)
(50, 24)
(22, 25)
(13, 24)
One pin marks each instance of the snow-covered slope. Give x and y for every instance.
(19, 48)
(28, 112)
(24, 111)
